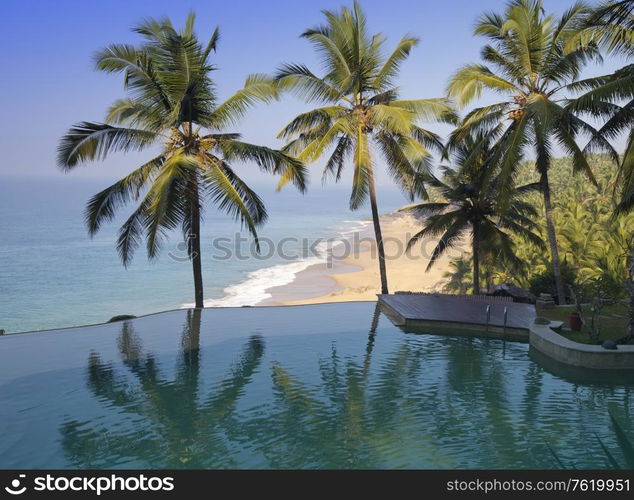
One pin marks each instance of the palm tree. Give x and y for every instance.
(528, 61)
(361, 111)
(172, 102)
(459, 275)
(471, 206)
(612, 24)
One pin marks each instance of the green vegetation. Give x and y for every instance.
(528, 62)
(536, 62)
(172, 102)
(612, 26)
(362, 111)
(612, 323)
(593, 244)
(469, 206)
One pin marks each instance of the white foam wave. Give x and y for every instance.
(253, 289)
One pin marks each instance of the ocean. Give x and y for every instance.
(53, 275)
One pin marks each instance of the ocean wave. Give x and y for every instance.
(254, 289)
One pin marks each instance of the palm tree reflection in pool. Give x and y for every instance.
(406, 401)
(177, 427)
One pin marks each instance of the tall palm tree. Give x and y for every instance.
(172, 103)
(362, 113)
(528, 61)
(611, 24)
(470, 206)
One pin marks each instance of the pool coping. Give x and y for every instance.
(544, 339)
(45, 330)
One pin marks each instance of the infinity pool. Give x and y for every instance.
(327, 386)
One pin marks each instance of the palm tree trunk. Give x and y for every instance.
(630, 328)
(371, 337)
(630, 289)
(552, 238)
(378, 236)
(475, 249)
(194, 235)
(190, 368)
(194, 250)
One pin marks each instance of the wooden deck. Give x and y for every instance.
(432, 311)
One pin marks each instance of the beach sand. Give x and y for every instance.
(352, 273)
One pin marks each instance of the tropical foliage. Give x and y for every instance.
(172, 103)
(528, 61)
(594, 245)
(469, 206)
(361, 113)
(458, 276)
(612, 97)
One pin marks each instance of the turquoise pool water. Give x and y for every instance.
(328, 386)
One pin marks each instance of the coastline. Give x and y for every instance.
(351, 273)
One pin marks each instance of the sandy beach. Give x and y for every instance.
(352, 272)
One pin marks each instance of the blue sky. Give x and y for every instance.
(49, 83)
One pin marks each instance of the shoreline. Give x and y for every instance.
(345, 272)
(353, 275)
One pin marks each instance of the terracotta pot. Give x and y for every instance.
(575, 322)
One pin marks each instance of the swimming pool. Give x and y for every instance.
(324, 386)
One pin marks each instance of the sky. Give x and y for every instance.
(49, 83)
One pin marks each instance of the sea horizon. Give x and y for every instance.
(67, 278)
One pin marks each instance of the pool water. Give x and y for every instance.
(326, 386)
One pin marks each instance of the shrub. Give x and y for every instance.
(544, 282)
(121, 317)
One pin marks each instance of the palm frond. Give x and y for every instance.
(334, 165)
(469, 81)
(362, 171)
(311, 120)
(269, 160)
(132, 231)
(409, 175)
(300, 80)
(430, 110)
(171, 193)
(257, 89)
(102, 206)
(390, 68)
(94, 141)
(233, 196)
